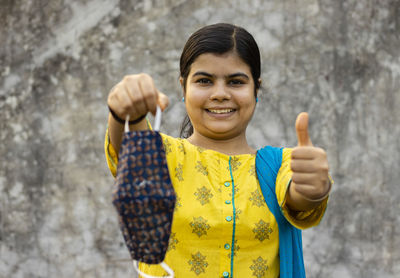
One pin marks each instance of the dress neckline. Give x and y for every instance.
(201, 149)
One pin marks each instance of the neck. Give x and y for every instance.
(232, 146)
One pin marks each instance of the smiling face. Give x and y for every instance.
(219, 96)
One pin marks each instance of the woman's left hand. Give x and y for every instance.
(310, 168)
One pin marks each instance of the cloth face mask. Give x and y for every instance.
(144, 197)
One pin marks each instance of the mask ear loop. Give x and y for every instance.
(127, 123)
(163, 265)
(157, 120)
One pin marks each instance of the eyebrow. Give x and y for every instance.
(233, 75)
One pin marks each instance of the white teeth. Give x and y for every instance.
(220, 111)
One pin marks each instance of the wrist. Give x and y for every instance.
(121, 121)
(323, 197)
(297, 202)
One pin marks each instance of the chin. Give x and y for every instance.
(220, 134)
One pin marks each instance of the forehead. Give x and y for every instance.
(224, 63)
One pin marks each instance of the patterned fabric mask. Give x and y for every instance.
(144, 196)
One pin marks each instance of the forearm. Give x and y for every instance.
(116, 130)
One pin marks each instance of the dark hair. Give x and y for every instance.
(219, 38)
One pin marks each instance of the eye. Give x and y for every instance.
(236, 82)
(204, 81)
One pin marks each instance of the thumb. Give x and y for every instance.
(302, 130)
(163, 101)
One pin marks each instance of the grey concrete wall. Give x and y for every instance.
(338, 60)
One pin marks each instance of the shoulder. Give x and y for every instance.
(170, 143)
(283, 153)
(177, 147)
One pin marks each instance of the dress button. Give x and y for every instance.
(227, 246)
(228, 218)
(225, 274)
(227, 184)
(227, 202)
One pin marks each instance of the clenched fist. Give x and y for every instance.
(136, 95)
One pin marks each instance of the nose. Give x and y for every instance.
(220, 92)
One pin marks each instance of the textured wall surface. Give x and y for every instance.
(338, 60)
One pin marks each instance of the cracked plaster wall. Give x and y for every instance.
(338, 60)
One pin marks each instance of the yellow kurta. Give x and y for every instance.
(221, 226)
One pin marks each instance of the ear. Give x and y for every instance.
(259, 86)
(181, 81)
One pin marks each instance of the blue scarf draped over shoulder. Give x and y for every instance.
(268, 163)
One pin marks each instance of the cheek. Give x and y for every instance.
(246, 101)
(193, 102)
(195, 97)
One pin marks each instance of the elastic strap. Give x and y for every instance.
(157, 120)
(121, 121)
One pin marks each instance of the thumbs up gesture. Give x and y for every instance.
(310, 181)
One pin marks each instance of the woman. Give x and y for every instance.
(221, 225)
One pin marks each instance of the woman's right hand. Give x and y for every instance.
(136, 95)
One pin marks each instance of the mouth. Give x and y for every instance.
(221, 111)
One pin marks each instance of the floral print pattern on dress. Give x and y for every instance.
(201, 168)
(181, 148)
(257, 199)
(234, 164)
(237, 212)
(262, 230)
(259, 267)
(173, 241)
(203, 195)
(179, 172)
(198, 263)
(252, 170)
(236, 190)
(199, 226)
(167, 146)
(178, 203)
(236, 248)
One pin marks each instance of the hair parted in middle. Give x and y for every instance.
(219, 38)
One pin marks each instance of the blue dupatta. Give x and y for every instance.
(268, 163)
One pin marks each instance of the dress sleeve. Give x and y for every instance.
(303, 219)
(111, 155)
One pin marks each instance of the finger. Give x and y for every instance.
(311, 192)
(149, 93)
(119, 101)
(307, 152)
(304, 178)
(126, 102)
(138, 106)
(307, 190)
(303, 166)
(302, 130)
(163, 101)
(112, 100)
